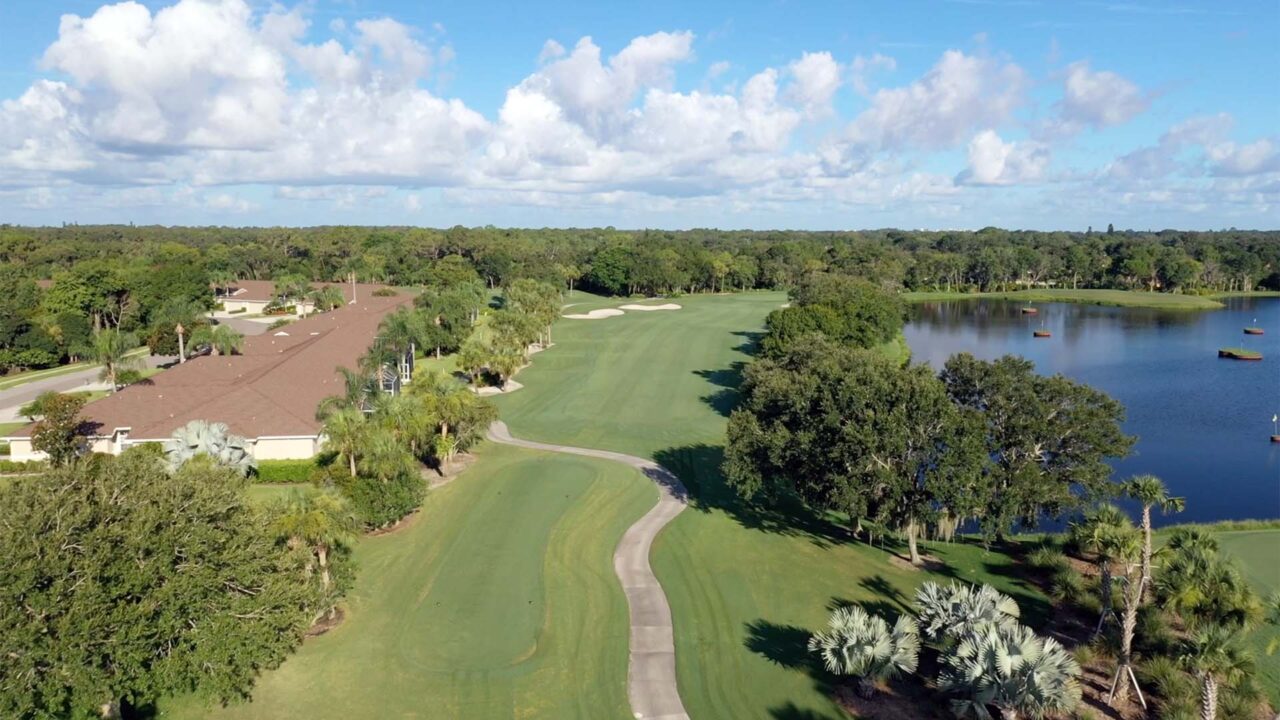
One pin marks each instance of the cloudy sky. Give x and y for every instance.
(781, 114)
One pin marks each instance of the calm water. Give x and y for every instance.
(1203, 424)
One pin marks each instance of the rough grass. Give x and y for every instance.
(498, 600)
(746, 587)
(1121, 298)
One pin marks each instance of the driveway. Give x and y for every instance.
(81, 380)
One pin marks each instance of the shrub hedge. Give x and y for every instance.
(9, 466)
(285, 471)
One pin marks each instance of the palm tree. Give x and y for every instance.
(212, 440)
(1098, 533)
(1013, 669)
(111, 350)
(384, 457)
(409, 418)
(951, 612)
(220, 339)
(1203, 588)
(318, 521)
(858, 643)
(358, 388)
(1126, 547)
(346, 428)
(1215, 657)
(1151, 492)
(327, 297)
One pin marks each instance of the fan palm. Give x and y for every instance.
(111, 350)
(1013, 669)
(213, 440)
(1205, 589)
(948, 613)
(1099, 533)
(1150, 491)
(319, 522)
(1215, 657)
(860, 644)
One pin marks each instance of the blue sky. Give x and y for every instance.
(952, 114)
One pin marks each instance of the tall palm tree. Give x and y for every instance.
(1204, 588)
(320, 522)
(346, 428)
(858, 643)
(1150, 491)
(1099, 534)
(111, 350)
(1215, 657)
(1126, 547)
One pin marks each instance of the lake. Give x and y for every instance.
(1203, 423)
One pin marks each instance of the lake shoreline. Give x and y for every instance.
(1106, 298)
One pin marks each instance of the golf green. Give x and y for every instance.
(746, 588)
(498, 600)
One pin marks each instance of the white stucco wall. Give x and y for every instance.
(285, 448)
(20, 451)
(249, 306)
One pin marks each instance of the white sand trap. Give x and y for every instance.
(595, 314)
(646, 308)
(511, 387)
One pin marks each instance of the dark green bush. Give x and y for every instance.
(285, 471)
(9, 466)
(380, 503)
(1067, 586)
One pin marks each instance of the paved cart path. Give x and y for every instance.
(651, 668)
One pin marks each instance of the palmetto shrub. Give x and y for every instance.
(861, 644)
(213, 440)
(951, 612)
(1013, 669)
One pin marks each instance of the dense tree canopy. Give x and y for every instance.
(1047, 438)
(122, 584)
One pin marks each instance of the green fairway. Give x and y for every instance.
(498, 600)
(746, 588)
(1123, 298)
(1257, 551)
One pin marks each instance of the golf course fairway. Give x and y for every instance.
(498, 600)
(746, 588)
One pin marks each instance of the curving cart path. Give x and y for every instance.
(651, 667)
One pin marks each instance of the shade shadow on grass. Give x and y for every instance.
(698, 466)
(725, 399)
(788, 647)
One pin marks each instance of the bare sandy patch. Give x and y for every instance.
(595, 314)
(647, 308)
(510, 387)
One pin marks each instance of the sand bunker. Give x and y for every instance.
(646, 308)
(510, 387)
(596, 314)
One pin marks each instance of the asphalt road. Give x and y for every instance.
(14, 398)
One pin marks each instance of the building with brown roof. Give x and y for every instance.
(268, 393)
(252, 297)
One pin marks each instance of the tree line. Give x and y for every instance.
(146, 279)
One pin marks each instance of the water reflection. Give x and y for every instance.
(1203, 423)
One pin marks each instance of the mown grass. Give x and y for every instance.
(1120, 298)
(746, 586)
(497, 600)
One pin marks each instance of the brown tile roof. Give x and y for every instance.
(271, 389)
(264, 290)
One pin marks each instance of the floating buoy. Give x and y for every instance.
(1239, 354)
(1042, 334)
(1029, 311)
(1253, 331)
